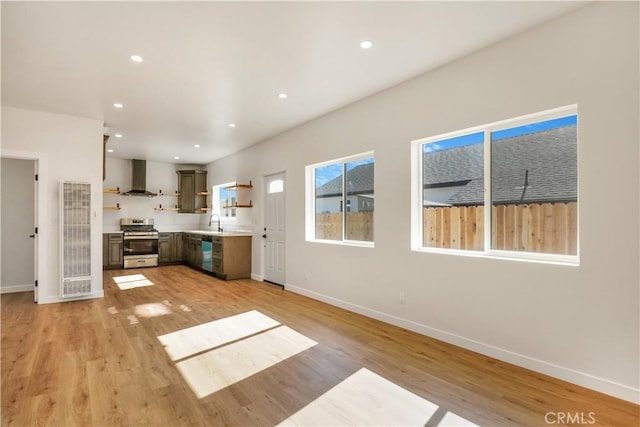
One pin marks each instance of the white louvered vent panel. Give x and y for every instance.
(76, 287)
(75, 238)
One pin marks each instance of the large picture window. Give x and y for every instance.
(507, 189)
(340, 200)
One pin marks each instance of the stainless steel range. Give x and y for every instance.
(140, 242)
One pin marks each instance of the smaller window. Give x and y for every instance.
(340, 200)
(224, 198)
(276, 186)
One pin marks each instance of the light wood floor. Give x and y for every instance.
(90, 363)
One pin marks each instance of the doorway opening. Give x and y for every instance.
(19, 205)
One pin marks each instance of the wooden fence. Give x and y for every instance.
(453, 227)
(359, 226)
(541, 228)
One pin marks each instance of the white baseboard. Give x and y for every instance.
(55, 299)
(257, 277)
(16, 288)
(601, 385)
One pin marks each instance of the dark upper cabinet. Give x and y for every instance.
(192, 185)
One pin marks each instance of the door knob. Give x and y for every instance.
(33, 236)
(264, 236)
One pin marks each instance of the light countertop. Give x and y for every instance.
(200, 232)
(218, 233)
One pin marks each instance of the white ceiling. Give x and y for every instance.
(208, 64)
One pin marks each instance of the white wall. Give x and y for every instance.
(247, 219)
(68, 148)
(160, 176)
(576, 323)
(17, 260)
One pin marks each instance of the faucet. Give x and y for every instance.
(211, 221)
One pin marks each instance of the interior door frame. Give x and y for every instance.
(265, 184)
(40, 207)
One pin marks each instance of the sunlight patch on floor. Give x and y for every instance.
(187, 342)
(367, 399)
(219, 368)
(153, 309)
(132, 281)
(453, 420)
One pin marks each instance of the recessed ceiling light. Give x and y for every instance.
(118, 105)
(366, 44)
(232, 125)
(197, 146)
(282, 95)
(118, 135)
(110, 150)
(176, 157)
(136, 58)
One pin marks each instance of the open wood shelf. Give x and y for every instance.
(111, 190)
(166, 209)
(236, 186)
(250, 205)
(240, 187)
(111, 208)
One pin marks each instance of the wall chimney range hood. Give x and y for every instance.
(139, 180)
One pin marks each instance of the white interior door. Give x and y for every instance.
(36, 190)
(274, 230)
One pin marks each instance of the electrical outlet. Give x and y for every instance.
(403, 298)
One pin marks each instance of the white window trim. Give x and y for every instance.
(310, 197)
(417, 231)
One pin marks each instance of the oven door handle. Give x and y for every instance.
(140, 237)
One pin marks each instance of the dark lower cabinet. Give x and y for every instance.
(112, 251)
(164, 248)
(192, 250)
(176, 248)
(169, 248)
(232, 257)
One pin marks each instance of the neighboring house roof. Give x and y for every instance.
(359, 181)
(549, 156)
(547, 160)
